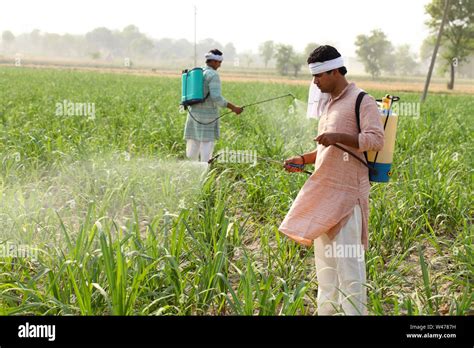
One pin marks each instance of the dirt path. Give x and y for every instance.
(399, 86)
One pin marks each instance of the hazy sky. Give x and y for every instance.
(246, 23)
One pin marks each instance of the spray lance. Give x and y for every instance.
(299, 166)
(244, 106)
(270, 160)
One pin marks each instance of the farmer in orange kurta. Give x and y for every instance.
(332, 208)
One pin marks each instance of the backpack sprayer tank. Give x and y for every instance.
(382, 160)
(192, 86)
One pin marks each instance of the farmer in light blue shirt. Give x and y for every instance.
(200, 137)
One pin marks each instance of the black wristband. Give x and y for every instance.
(302, 157)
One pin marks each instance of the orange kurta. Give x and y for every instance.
(339, 182)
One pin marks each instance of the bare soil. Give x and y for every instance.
(399, 86)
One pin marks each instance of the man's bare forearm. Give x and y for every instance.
(310, 157)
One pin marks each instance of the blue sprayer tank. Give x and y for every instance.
(192, 86)
(382, 160)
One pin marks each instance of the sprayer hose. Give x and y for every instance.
(355, 156)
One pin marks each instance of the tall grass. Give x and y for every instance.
(148, 235)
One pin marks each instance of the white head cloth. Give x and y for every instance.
(320, 67)
(317, 100)
(212, 56)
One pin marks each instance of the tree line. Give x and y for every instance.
(106, 44)
(456, 51)
(374, 50)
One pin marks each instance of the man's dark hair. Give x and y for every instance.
(216, 52)
(324, 53)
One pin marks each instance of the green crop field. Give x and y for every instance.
(114, 220)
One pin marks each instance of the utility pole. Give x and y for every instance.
(195, 49)
(435, 51)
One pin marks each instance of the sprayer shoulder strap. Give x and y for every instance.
(357, 112)
(204, 82)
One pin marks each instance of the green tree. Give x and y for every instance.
(165, 48)
(142, 47)
(310, 48)
(426, 51)
(284, 55)
(229, 52)
(426, 48)
(389, 61)
(296, 62)
(95, 55)
(267, 50)
(100, 38)
(373, 51)
(247, 57)
(182, 48)
(405, 62)
(458, 34)
(7, 38)
(205, 45)
(126, 37)
(130, 33)
(52, 43)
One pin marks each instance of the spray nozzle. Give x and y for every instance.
(213, 158)
(295, 165)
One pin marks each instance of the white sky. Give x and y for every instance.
(246, 23)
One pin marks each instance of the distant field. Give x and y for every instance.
(122, 224)
(231, 73)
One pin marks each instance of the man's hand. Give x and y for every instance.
(294, 160)
(238, 110)
(327, 139)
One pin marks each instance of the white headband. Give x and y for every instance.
(320, 67)
(212, 56)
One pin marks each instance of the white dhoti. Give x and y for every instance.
(340, 270)
(199, 149)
